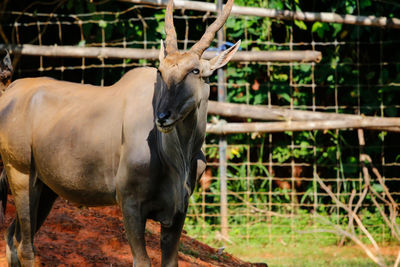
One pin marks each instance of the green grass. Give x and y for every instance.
(301, 255)
(284, 242)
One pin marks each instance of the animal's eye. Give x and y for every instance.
(196, 71)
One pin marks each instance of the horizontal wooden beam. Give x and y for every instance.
(278, 113)
(281, 14)
(152, 54)
(293, 126)
(260, 112)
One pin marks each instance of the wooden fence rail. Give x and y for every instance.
(295, 120)
(152, 54)
(282, 14)
(293, 126)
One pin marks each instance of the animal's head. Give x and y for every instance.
(182, 76)
(6, 69)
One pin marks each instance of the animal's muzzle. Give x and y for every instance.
(163, 122)
(162, 117)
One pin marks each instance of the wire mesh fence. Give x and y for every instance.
(273, 193)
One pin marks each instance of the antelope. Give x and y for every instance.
(135, 144)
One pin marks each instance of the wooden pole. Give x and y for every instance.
(277, 113)
(222, 143)
(293, 126)
(152, 54)
(282, 14)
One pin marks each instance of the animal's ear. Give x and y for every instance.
(219, 61)
(163, 52)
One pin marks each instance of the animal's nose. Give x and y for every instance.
(162, 117)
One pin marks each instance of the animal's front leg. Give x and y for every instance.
(170, 241)
(135, 224)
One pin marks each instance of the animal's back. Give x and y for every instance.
(32, 102)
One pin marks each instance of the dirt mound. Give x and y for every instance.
(73, 236)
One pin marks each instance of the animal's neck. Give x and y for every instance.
(189, 133)
(177, 149)
(184, 139)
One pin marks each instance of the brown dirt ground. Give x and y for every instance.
(73, 236)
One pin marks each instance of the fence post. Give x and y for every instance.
(222, 141)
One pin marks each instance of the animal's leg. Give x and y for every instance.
(47, 198)
(12, 237)
(26, 196)
(135, 224)
(13, 234)
(170, 240)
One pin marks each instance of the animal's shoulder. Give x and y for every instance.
(139, 76)
(142, 70)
